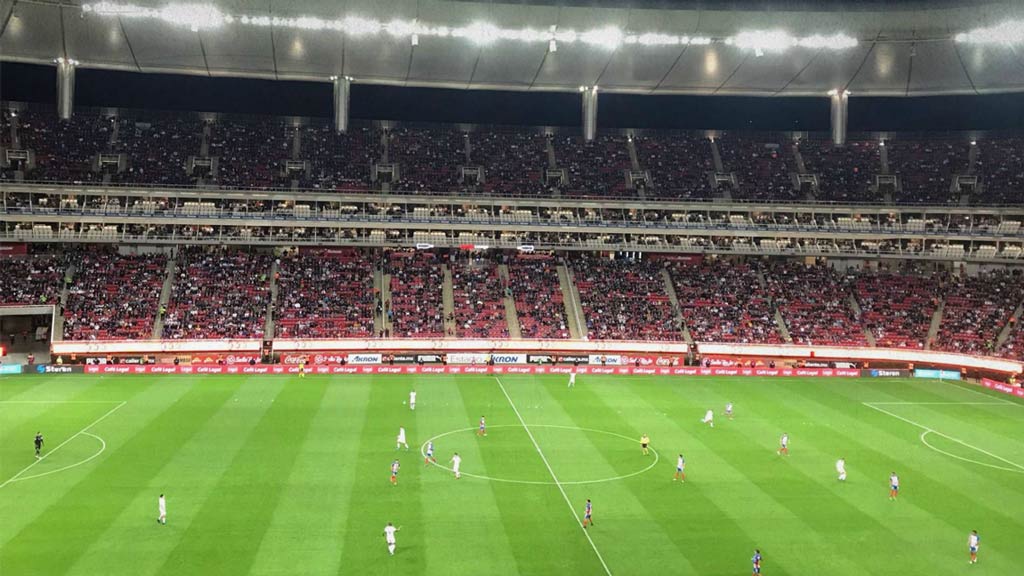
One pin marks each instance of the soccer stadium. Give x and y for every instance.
(428, 287)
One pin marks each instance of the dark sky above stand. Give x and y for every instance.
(99, 88)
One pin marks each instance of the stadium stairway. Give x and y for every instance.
(1005, 332)
(511, 316)
(867, 333)
(717, 157)
(676, 310)
(58, 316)
(385, 296)
(448, 298)
(933, 330)
(268, 324)
(165, 298)
(571, 298)
(780, 323)
(378, 282)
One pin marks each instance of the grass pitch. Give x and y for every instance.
(279, 475)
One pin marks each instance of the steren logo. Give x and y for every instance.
(48, 369)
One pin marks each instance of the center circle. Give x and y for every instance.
(423, 452)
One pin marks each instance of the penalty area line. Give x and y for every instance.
(553, 476)
(59, 446)
(929, 430)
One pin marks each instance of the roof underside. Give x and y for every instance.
(900, 52)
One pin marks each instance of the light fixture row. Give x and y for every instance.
(208, 17)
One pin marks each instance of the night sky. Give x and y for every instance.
(98, 88)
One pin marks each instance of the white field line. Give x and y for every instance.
(103, 447)
(975, 390)
(944, 403)
(946, 436)
(60, 401)
(69, 439)
(554, 477)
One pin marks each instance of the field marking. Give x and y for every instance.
(70, 438)
(59, 401)
(927, 430)
(103, 446)
(423, 452)
(974, 389)
(553, 476)
(944, 403)
(951, 455)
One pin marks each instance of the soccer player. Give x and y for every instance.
(709, 418)
(972, 542)
(483, 428)
(389, 537)
(430, 454)
(302, 368)
(644, 442)
(680, 469)
(894, 486)
(394, 472)
(756, 561)
(161, 505)
(784, 444)
(456, 463)
(400, 441)
(841, 469)
(728, 410)
(572, 379)
(412, 400)
(39, 443)
(588, 514)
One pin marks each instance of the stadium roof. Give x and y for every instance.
(901, 50)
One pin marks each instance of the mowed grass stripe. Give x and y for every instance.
(187, 479)
(85, 509)
(638, 513)
(309, 519)
(373, 501)
(462, 523)
(926, 502)
(226, 532)
(736, 476)
(545, 538)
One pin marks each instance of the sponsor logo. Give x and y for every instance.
(939, 374)
(364, 358)
(605, 360)
(508, 358)
(532, 359)
(10, 368)
(884, 373)
(54, 369)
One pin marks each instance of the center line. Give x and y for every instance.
(553, 477)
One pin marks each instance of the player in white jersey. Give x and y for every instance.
(972, 543)
(401, 439)
(572, 379)
(429, 456)
(728, 410)
(389, 537)
(784, 445)
(412, 400)
(680, 469)
(841, 469)
(456, 463)
(709, 418)
(894, 486)
(161, 504)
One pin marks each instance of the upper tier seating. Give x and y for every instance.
(339, 161)
(845, 173)
(428, 159)
(679, 164)
(250, 154)
(158, 149)
(926, 168)
(595, 168)
(513, 161)
(764, 169)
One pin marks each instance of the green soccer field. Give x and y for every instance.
(277, 475)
